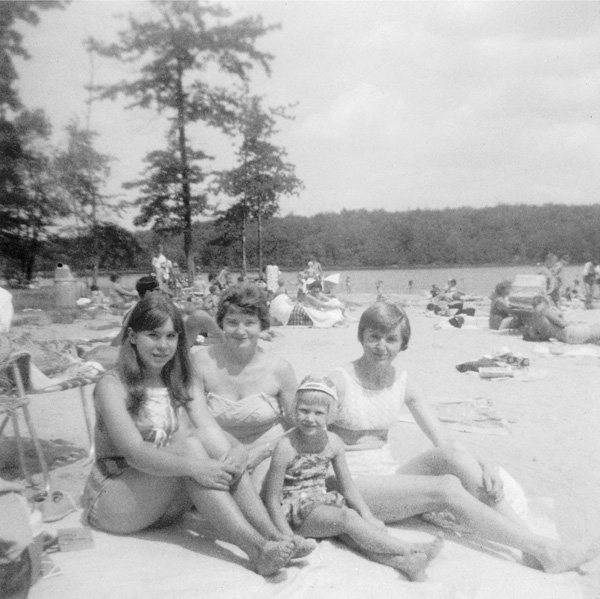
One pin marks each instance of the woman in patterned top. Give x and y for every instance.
(149, 470)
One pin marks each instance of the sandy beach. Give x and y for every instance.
(549, 416)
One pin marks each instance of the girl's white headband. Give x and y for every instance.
(315, 385)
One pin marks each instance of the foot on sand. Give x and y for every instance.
(432, 548)
(563, 558)
(273, 556)
(412, 564)
(302, 546)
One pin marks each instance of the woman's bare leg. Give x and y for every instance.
(395, 498)
(232, 526)
(463, 465)
(268, 553)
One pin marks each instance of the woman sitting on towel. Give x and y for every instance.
(149, 468)
(446, 485)
(248, 390)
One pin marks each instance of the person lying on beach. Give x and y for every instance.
(150, 469)
(298, 501)
(547, 322)
(447, 484)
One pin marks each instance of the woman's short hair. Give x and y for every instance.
(145, 284)
(114, 276)
(384, 317)
(249, 299)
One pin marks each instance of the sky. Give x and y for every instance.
(397, 105)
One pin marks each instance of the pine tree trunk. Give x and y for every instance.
(260, 270)
(188, 241)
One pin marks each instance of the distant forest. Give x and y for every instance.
(515, 234)
(502, 235)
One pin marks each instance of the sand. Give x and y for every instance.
(552, 446)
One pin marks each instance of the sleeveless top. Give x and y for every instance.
(370, 409)
(156, 420)
(249, 418)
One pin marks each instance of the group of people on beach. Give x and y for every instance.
(544, 318)
(229, 431)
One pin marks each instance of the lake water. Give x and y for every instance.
(475, 281)
(472, 280)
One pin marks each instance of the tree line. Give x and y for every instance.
(500, 235)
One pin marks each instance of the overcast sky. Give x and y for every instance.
(401, 105)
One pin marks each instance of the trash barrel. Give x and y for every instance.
(66, 288)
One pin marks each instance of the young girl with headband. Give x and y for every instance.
(299, 503)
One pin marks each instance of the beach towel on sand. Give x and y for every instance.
(476, 415)
(184, 563)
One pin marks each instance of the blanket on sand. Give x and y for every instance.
(474, 415)
(185, 562)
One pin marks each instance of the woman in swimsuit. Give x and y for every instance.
(248, 390)
(149, 471)
(445, 484)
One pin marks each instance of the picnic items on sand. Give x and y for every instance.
(502, 363)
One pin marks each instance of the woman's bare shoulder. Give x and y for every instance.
(109, 385)
(205, 354)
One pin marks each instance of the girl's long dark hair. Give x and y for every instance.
(151, 313)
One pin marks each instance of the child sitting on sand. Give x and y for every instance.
(297, 498)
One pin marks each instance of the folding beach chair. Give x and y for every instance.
(10, 404)
(17, 386)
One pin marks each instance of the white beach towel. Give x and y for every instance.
(178, 562)
(281, 308)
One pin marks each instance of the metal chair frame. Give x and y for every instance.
(10, 405)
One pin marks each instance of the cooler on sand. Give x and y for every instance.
(524, 288)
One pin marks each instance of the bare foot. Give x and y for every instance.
(563, 558)
(412, 564)
(432, 548)
(302, 546)
(273, 556)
